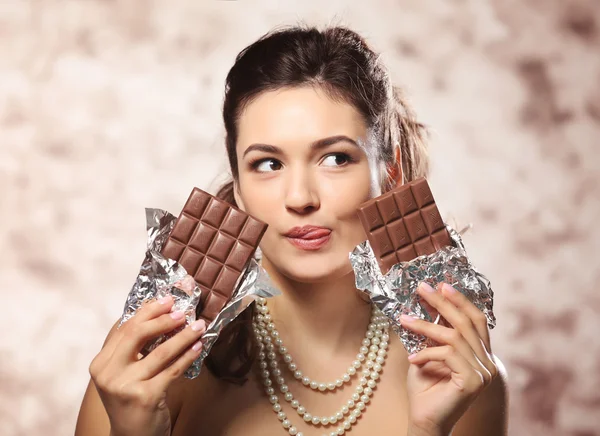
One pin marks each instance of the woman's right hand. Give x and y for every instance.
(134, 390)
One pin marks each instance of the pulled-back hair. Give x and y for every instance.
(338, 61)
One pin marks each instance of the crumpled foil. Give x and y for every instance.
(395, 293)
(160, 277)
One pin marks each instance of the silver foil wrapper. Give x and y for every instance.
(395, 293)
(160, 277)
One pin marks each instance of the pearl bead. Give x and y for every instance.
(345, 409)
(375, 341)
(273, 364)
(278, 342)
(366, 372)
(289, 396)
(372, 326)
(381, 352)
(372, 383)
(281, 416)
(316, 420)
(301, 410)
(293, 431)
(305, 381)
(273, 399)
(358, 363)
(371, 356)
(286, 423)
(324, 420)
(377, 367)
(340, 431)
(280, 380)
(380, 360)
(351, 370)
(346, 378)
(277, 407)
(364, 399)
(307, 417)
(265, 374)
(275, 334)
(359, 389)
(261, 355)
(287, 358)
(360, 405)
(351, 404)
(370, 334)
(332, 419)
(283, 349)
(284, 388)
(267, 382)
(263, 365)
(354, 396)
(363, 381)
(339, 416)
(270, 391)
(298, 374)
(352, 419)
(322, 387)
(339, 382)
(347, 425)
(363, 350)
(368, 391)
(271, 355)
(292, 366)
(374, 348)
(370, 364)
(267, 317)
(331, 386)
(366, 342)
(261, 300)
(374, 375)
(314, 385)
(295, 404)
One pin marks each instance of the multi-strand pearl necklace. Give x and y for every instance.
(372, 354)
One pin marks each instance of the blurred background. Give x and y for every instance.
(107, 107)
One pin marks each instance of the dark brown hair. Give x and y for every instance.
(340, 62)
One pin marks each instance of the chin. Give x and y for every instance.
(317, 269)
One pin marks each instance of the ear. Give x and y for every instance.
(237, 196)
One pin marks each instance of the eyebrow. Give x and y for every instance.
(317, 145)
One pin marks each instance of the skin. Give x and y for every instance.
(290, 175)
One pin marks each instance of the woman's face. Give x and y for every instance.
(302, 172)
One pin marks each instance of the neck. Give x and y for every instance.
(326, 317)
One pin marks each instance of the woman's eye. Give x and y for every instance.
(336, 160)
(267, 165)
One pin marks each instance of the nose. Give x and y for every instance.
(301, 193)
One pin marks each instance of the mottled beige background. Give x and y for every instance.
(110, 106)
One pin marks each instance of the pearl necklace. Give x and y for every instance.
(372, 354)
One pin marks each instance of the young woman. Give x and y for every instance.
(314, 129)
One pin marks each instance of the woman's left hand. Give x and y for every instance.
(444, 380)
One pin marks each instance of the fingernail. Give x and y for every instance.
(407, 318)
(197, 346)
(177, 315)
(165, 300)
(426, 287)
(198, 325)
(412, 356)
(446, 287)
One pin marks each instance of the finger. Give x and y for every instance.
(447, 336)
(164, 378)
(464, 376)
(163, 355)
(477, 317)
(459, 320)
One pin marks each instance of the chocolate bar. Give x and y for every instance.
(403, 224)
(213, 241)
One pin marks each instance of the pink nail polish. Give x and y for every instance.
(197, 346)
(198, 325)
(407, 318)
(165, 300)
(177, 315)
(448, 288)
(426, 287)
(412, 356)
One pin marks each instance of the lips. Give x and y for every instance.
(309, 237)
